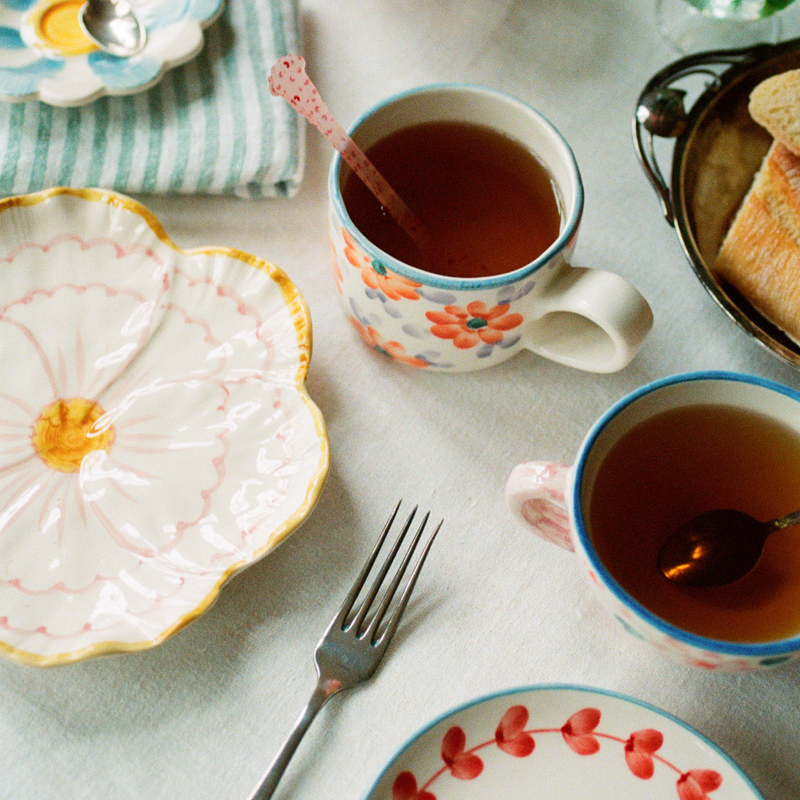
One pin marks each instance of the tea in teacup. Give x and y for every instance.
(486, 200)
(682, 463)
(667, 452)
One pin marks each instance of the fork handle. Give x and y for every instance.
(325, 688)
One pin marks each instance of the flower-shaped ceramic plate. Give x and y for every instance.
(155, 432)
(45, 55)
(560, 743)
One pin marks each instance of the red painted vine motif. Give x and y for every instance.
(579, 733)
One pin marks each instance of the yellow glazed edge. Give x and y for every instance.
(302, 322)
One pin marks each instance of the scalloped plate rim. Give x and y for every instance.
(301, 318)
(106, 91)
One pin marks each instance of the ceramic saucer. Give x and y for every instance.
(46, 56)
(560, 743)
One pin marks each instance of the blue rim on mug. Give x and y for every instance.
(763, 650)
(569, 227)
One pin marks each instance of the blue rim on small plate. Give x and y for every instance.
(45, 56)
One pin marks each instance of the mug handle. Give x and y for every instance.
(536, 495)
(591, 320)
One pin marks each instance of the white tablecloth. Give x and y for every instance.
(201, 716)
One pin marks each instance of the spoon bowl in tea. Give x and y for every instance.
(718, 547)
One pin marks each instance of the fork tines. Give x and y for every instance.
(361, 619)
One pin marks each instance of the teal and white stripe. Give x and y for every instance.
(210, 126)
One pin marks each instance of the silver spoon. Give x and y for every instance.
(718, 547)
(113, 26)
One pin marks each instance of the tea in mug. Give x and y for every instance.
(681, 463)
(486, 200)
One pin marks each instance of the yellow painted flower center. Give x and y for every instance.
(65, 432)
(56, 25)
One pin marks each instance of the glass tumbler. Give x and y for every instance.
(695, 25)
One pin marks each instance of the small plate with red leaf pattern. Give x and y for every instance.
(560, 743)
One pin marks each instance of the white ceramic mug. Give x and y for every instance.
(589, 319)
(554, 501)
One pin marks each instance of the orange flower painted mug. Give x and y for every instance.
(436, 316)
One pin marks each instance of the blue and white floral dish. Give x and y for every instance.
(46, 56)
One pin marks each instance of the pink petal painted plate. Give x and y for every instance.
(560, 743)
(156, 436)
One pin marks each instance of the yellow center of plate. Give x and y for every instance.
(65, 432)
(56, 25)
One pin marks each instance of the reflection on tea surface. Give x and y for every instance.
(679, 464)
(487, 201)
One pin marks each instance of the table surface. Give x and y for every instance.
(202, 715)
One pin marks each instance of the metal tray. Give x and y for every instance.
(716, 150)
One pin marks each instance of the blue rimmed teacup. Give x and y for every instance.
(557, 502)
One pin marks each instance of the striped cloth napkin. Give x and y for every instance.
(210, 126)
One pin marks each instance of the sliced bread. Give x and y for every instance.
(775, 105)
(760, 255)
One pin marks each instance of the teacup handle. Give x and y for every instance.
(536, 495)
(591, 320)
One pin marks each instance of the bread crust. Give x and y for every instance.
(760, 255)
(775, 105)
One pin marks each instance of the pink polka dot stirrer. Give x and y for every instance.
(288, 79)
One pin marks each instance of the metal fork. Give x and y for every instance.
(354, 644)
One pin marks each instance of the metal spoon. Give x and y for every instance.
(718, 547)
(113, 26)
